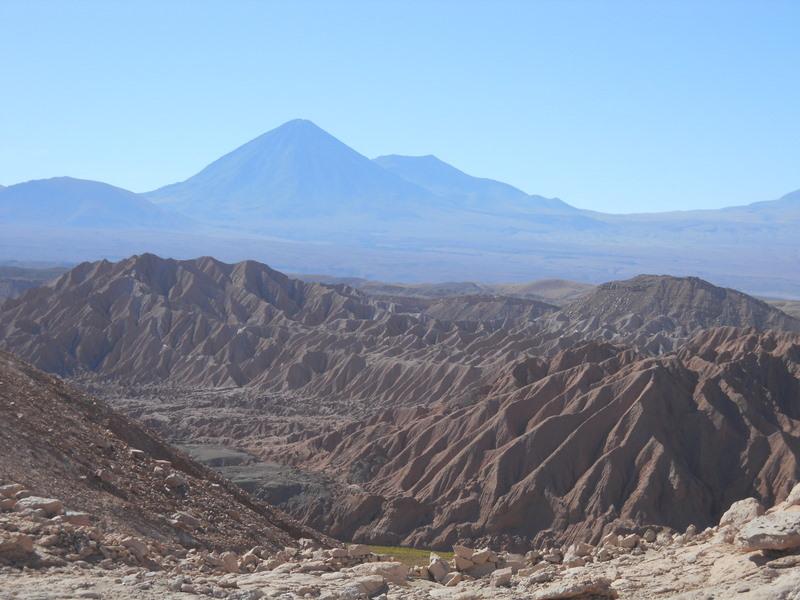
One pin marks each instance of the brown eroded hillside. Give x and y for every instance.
(658, 312)
(60, 443)
(203, 323)
(596, 437)
(681, 303)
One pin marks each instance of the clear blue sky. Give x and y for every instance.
(615, 106)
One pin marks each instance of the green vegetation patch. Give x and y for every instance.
(409, 556)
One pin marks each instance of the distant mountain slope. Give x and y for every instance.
(445, 180)
(554, 291)
(557, 291)
(790, 307)
(295, 171)
(298, 197)
(479, 308)
(67, 202)
(787, 206)
(15, 280)
(661, 302)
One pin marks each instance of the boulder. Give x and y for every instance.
(393, 572)
(515, 561)
(579, 587)
(501, 577)
(776, 531)
(249, 558)
(15, 545)
(358, 550)
(528, 571)
(7, 503)
(79, 519)
(10, 490)
(186, 521)
(612, 539)
(420, 572)
(533, 556)
(463, 551)
(582, 549)
(742, 512)
(603, 555)
(104, 475)
(794, 496)
(230, 562)
(481, 570)
(453, 579)
(553, 557)
(629, 541)
(462, 564)
(50, 506)
(136, 546)
(438, 568)
(482, 556)
(650, 536)
(175, 481)
(371, 585)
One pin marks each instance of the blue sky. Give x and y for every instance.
(614, 106)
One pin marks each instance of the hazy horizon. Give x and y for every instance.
(630, 212)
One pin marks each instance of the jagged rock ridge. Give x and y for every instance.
(596, 437)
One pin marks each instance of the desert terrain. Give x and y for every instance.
(582, 435)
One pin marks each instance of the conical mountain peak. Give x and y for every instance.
(295, 171)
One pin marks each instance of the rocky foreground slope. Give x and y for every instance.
(107, 471)
(751, 554)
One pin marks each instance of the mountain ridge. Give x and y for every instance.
(204, 322)
(294, 169)
(300, 194)
(471, 192)
(83, 203)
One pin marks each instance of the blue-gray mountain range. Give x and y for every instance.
(306, 202)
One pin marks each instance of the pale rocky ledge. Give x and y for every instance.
(752, 553)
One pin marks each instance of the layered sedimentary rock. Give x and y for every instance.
(597, 436)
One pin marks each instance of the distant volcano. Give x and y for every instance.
(295, 171)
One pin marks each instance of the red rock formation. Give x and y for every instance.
(602, 437)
